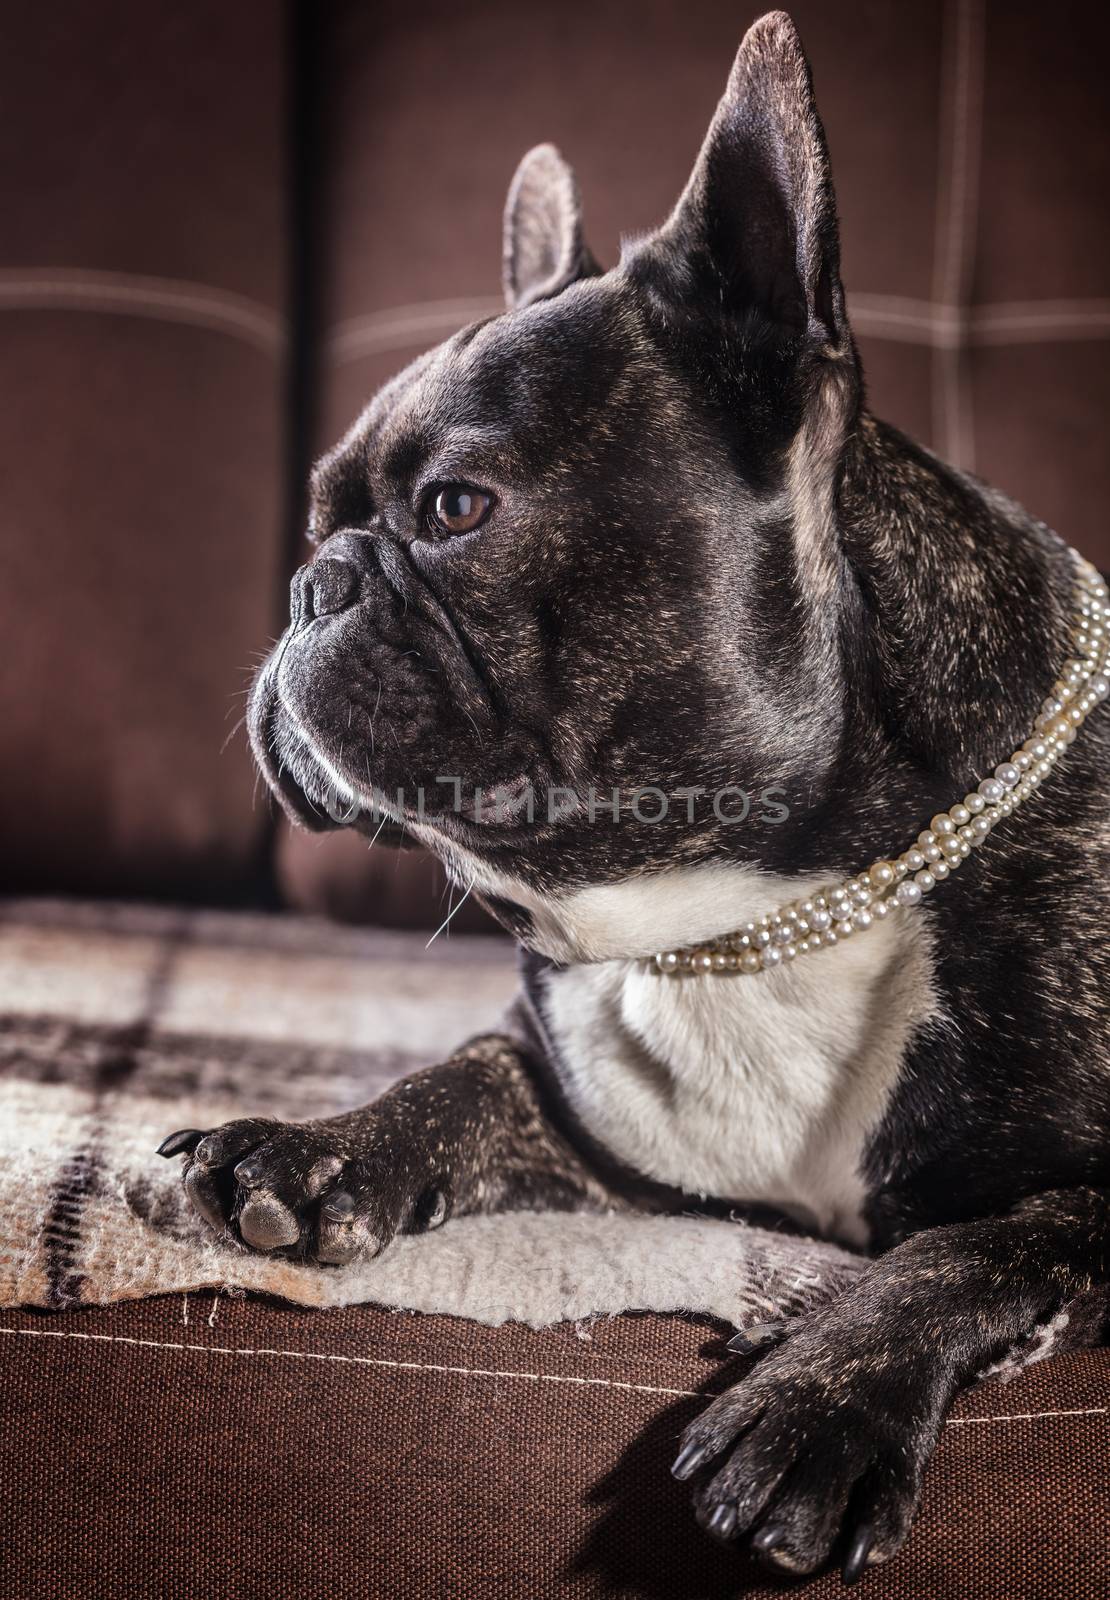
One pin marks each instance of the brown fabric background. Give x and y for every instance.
(255, 1450)
(142, 307)
(158, 196)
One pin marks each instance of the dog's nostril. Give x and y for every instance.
(329, 585)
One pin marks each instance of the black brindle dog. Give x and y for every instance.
(639, 533)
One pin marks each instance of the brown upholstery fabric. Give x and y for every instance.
(969, 144)
(235, 1447)
(141, 326)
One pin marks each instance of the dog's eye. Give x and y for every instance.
(456, 508)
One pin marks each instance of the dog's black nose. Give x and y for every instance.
(327, 585)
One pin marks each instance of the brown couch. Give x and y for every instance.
(224, 226)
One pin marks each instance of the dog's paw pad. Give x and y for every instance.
(298, 1189)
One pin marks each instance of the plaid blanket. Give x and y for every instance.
(119, 1024)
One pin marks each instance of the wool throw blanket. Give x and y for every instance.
(119, 1024)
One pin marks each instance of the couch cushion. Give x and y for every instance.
(142, 290)
(229, 1446)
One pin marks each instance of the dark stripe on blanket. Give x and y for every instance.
(113, 1065)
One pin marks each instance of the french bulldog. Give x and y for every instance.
(639, 535)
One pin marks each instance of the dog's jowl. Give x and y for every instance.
(625, 605)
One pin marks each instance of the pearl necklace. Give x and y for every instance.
(856, 904)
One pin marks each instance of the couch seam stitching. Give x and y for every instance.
(168, 300)
(469, 1372)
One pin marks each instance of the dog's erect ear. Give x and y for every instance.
(756, 224)
(543, 248)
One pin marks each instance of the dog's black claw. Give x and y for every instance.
(181, 1143)
(722, 1522)
(855, 1558)
(768, 1539)
(688, 1461)
(340, 1206)
(757, 1337)
(248, 1173)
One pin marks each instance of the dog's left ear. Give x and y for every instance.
(755, 228)
(544, 250)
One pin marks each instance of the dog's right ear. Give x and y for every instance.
(754, 233)
(544, 250)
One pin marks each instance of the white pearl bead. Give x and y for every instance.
(789, 951)
(750, 962)
(861, 918)
(907, 893)
(772, 956)
(702, 962)
(943, 824)
(667, 960)
(1007, 774)
(991, 790)
(783, 934)
(959, 814)
(914, 860)
(925, 881)
(820, 920)
(880, 909)
(761, 938)
(939, 870)
(974, 802)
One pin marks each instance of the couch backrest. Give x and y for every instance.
(144, 293)
(142, 329)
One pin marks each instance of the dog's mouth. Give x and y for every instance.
(317, 796)
(295, 776)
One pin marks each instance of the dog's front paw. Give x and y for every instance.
(313, 1190)
(821, 1447)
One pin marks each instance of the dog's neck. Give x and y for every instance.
(960, 603)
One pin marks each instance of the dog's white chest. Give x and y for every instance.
(761, 1088)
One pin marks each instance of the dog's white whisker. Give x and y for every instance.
(453, 912)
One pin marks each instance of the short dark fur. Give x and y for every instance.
(657, 600)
